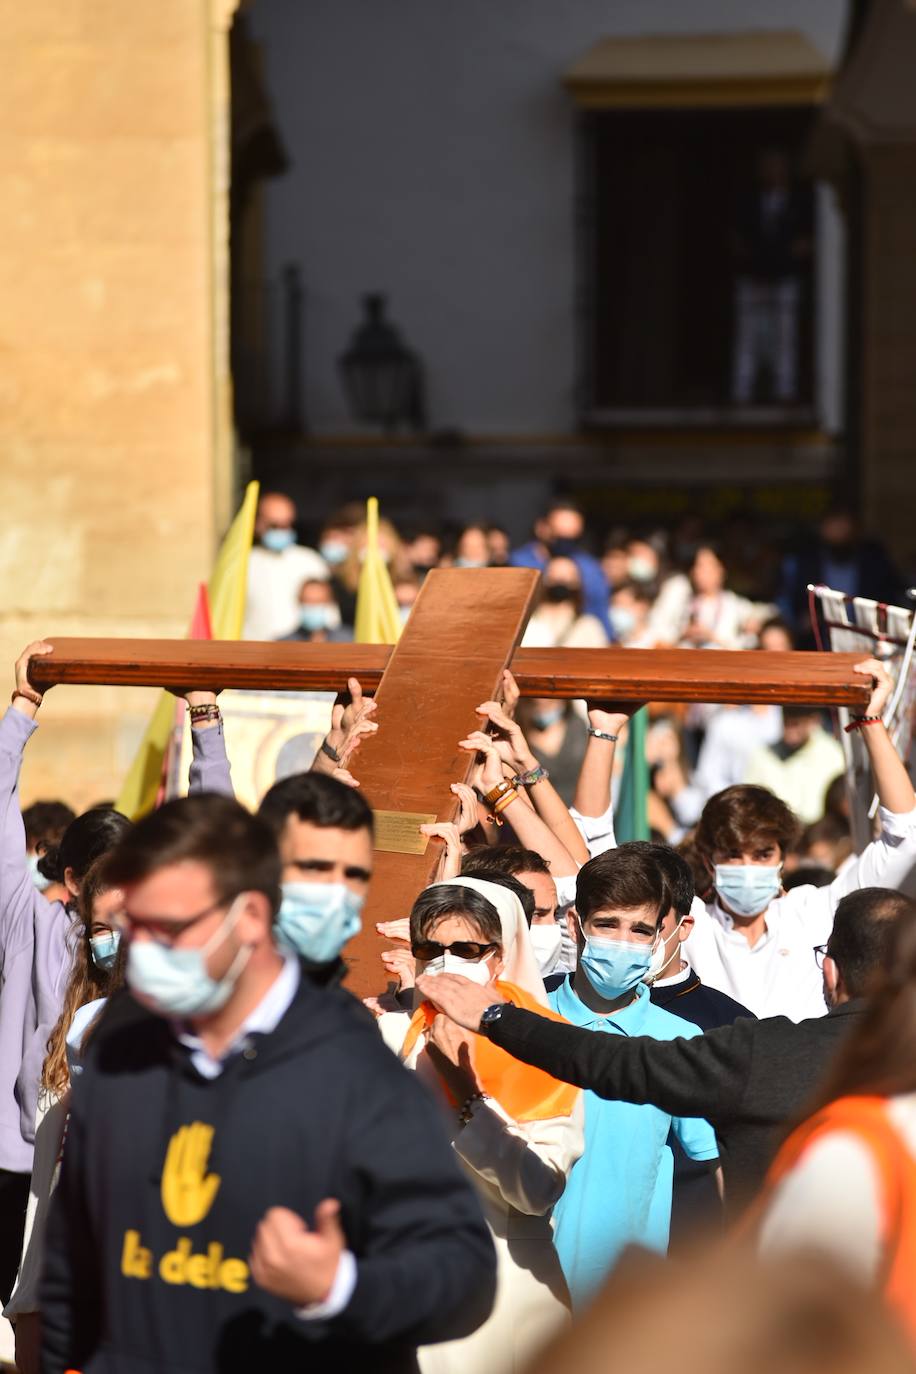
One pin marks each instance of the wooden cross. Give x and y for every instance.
(463, 631)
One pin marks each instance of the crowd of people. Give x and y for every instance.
(214, 1157)
(639, 588)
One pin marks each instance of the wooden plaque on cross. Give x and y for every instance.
(463, 631)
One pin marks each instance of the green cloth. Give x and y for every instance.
(631, 816)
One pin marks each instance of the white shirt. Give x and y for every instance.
(265, 1018)
(274, 581)
(733, 733)
(802, 779)
(596, 831)
(779, 976)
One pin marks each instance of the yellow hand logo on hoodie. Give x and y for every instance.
(188, 1191)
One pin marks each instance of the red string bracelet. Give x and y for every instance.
(859, 721)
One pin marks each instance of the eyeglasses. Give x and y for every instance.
(427, 950)
(162, 929)
(820, 954)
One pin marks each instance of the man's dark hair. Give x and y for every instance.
(502, 858)
(86, 839)
(523, 893)
(318, 799)
(46, 821)
(742, 816)
(449, 899)
(562, 503)
(863, 931)
(634, 875)
(239, 849)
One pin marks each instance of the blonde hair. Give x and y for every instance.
(399, 564)
(87, 983)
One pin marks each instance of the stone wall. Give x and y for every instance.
(113, 469)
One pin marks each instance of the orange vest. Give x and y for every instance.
(868, 1119)
(526, 1093)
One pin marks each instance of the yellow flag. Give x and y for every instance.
(377, 617)
(227, 592)
(228, 586)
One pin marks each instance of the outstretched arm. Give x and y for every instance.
(210, 769)
(704, 1076)
(351, 722)
(892, 782)
(890, 860)
(514, 749)
(532, 832)
(21, 904)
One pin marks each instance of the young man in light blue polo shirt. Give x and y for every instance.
(619, 1192)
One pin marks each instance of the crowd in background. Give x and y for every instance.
(607, 1040)
(690, 585)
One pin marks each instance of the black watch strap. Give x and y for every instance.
(490, 1016)
(330, 751)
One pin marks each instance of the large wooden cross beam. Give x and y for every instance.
(463, 631)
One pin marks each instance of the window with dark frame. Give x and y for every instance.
(698, 266)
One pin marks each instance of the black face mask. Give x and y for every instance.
(563, 548)
(559, 592)
(843, 551)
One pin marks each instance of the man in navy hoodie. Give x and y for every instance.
(250, 1180)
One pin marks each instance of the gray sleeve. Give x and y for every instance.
(210, 770)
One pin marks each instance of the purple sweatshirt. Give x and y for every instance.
(38, 939)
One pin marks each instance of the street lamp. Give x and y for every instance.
(382, 377)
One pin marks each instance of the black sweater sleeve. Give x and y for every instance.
(703, 1076)
(426, 1266)
(70, 1295)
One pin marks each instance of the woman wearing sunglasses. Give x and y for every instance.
(517, 1131)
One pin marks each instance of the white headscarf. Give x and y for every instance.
(519, 963)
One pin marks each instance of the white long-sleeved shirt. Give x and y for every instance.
(779, 976)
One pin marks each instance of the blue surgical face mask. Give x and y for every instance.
(317, 919)
(39, 879)
(333, 551)
(542, 720)
(277, 540)
(323, 617)
(614, 967)
(104, 947)
(175, 982)
(470, 563)
(748, 889)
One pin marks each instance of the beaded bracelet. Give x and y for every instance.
(859, 721)
(467, 1109)
(207, 712)
(529, 778)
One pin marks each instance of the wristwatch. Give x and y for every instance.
(490, 1015)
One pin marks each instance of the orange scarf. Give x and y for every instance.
(526, 1093)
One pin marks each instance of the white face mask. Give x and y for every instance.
(748, 889)
(176, 982)
(39, 879)
(546, 941)
(477, 970)
(660, 960)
